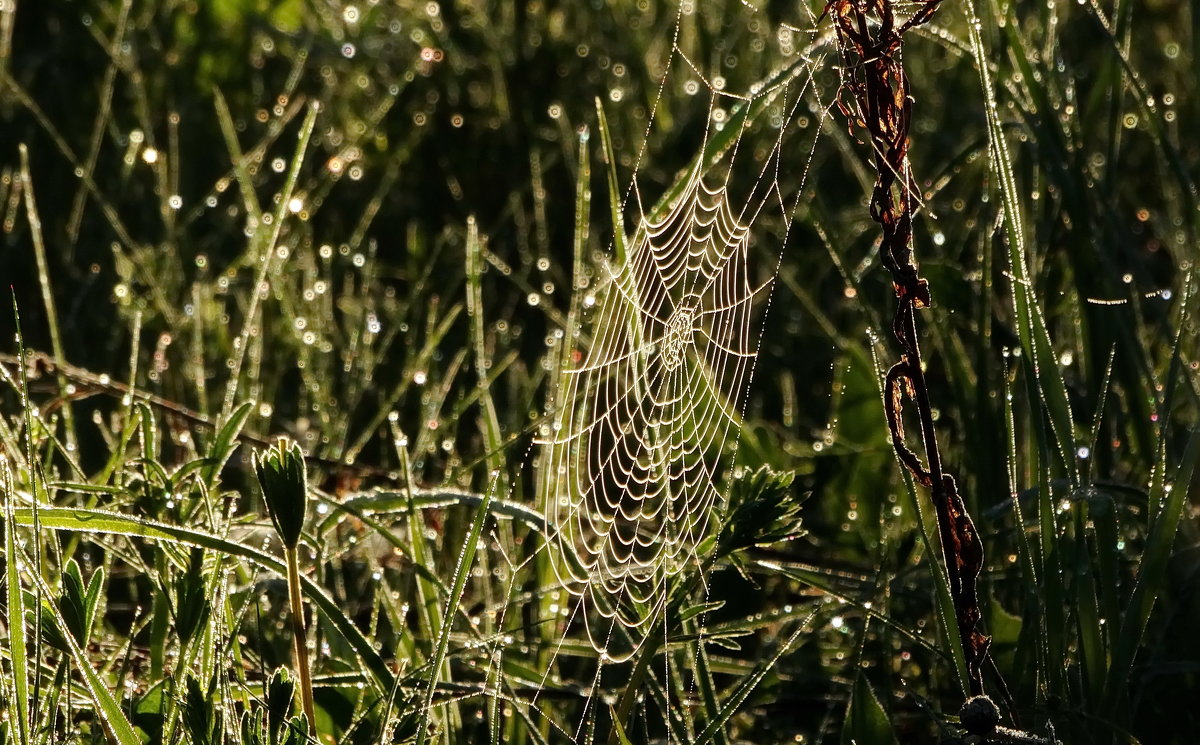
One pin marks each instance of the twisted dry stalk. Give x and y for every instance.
(875, 98)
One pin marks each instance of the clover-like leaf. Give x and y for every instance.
(281, 475)
(281, 698)
(762, 509)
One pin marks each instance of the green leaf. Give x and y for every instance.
(192, 606)
(224, 443)
(75, 605)
(762, 509)
(253, 730)
(147, 714)
(281, 699)
(119, 729)
(198, 715)
(866, 720)
(297, 732)
(689, 613)
(92, 601)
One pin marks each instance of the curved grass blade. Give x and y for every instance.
(461, 572)
(386, 501)
(112, 523)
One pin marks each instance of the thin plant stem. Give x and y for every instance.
(39, 252)
(300, 637)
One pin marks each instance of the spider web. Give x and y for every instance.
(633, 466)
(636, 453)
(645, 427)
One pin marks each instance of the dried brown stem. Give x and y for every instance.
(875, 98)
(87, 384)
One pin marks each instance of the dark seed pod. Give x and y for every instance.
(979, 715)
(281, 474)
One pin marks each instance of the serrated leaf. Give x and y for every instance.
(866, 720)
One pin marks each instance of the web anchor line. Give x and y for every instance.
(870, 43)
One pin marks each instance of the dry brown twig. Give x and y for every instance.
(86, 384)
(875, 98)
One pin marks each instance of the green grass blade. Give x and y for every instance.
(1142, 98)
(748, 684)
(116, 725)
(112, 523)
(491, 421)
(947, 614)
(385, 501)
(1025, 552)
(1031, 324)
(432, 343)
(37, 484)
(264, 253)
(944, 604)
(240, 165)
(708, 692)
(1152, 574)
(1053, 593)
(17, 653)
(465, 559)
(866, 720)
(1087, 607)
(616, 203)
(427, 605)
(43, 267)
(619, 730)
